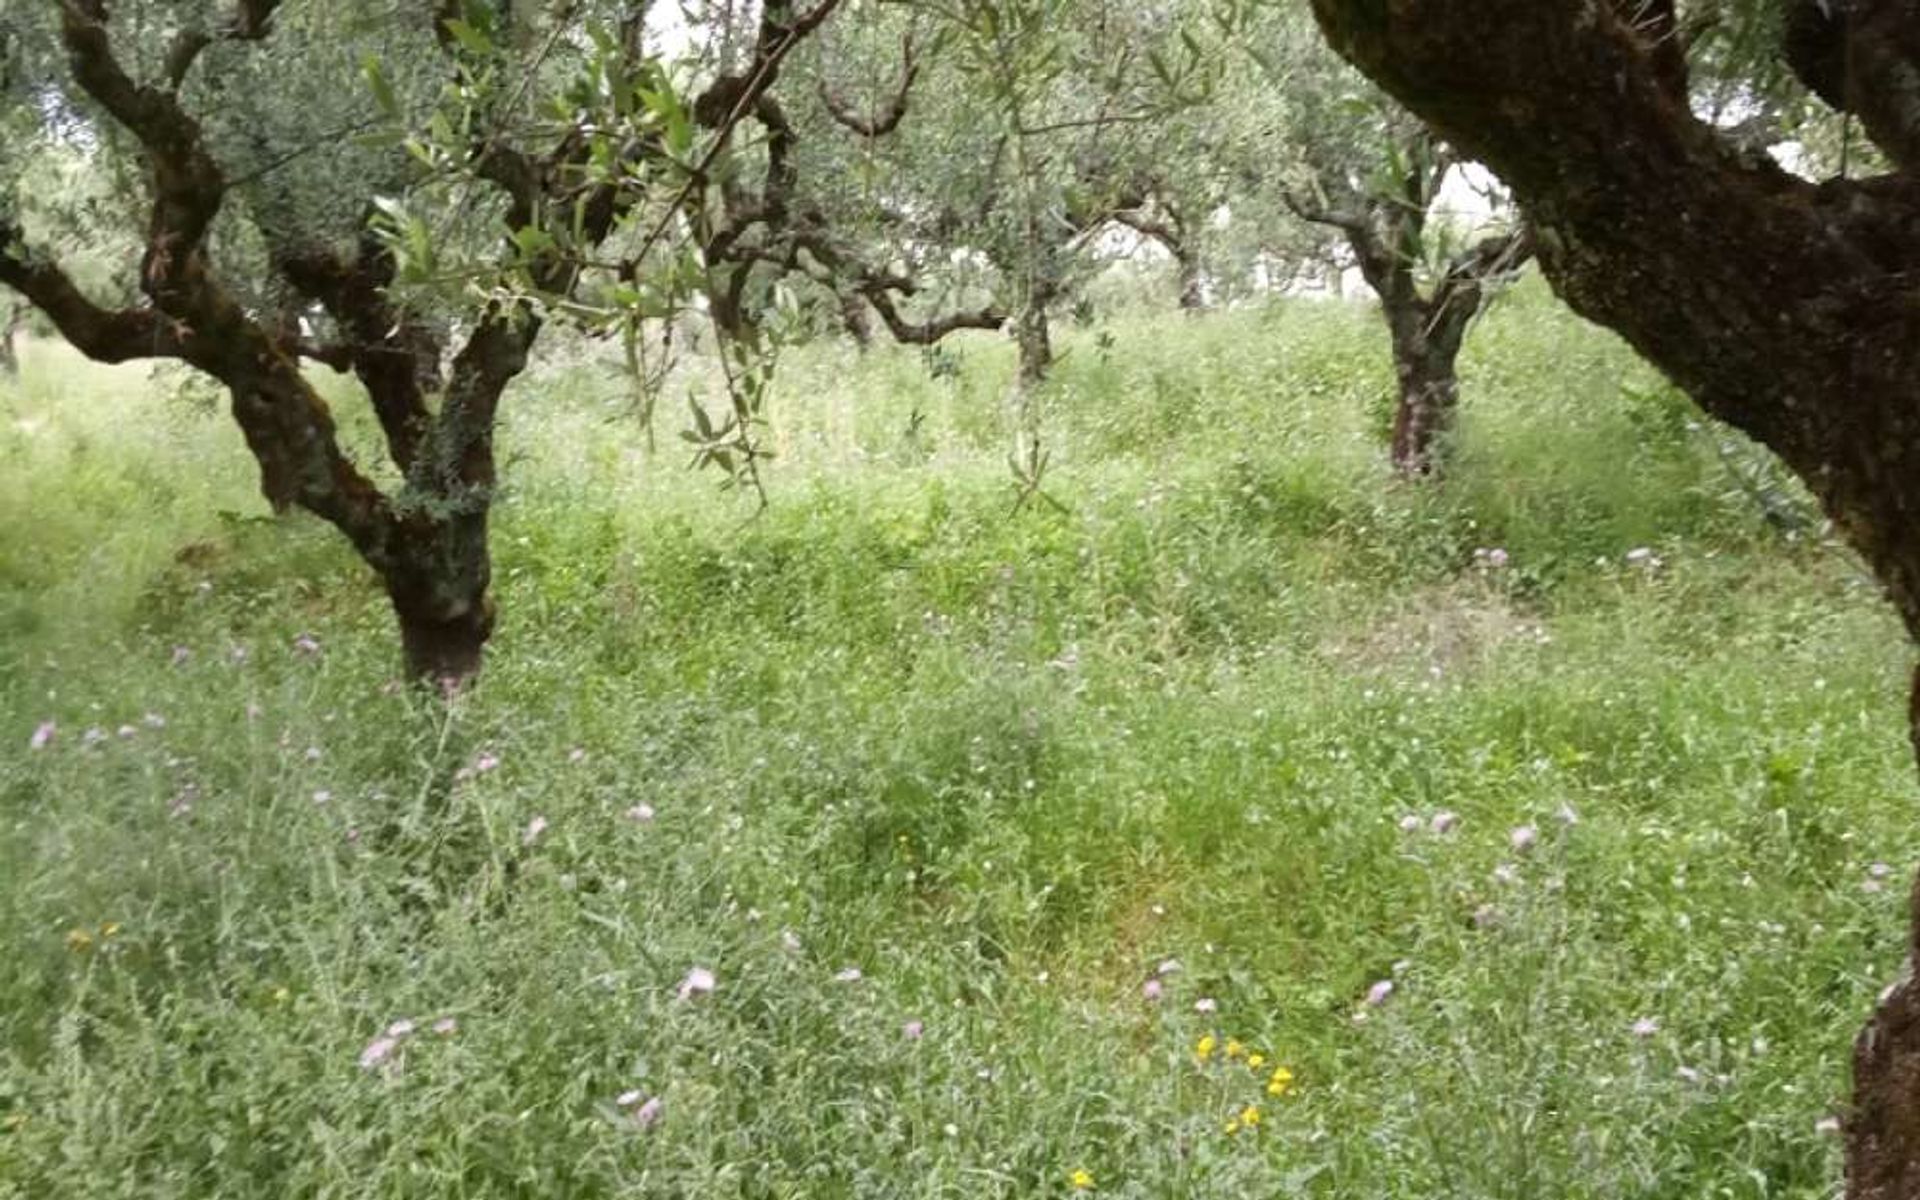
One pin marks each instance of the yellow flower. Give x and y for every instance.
(1280, 1082)
(1235, 1049)
(1256, 1061)
(1233, 1126)
(1081, 1179)
(1203, 1049)
(79, 941)
(281, 995)
(1250, 1116)
(110, 929)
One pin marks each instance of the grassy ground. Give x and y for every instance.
(1020, 771)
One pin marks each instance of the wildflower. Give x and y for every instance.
(1505, 873)
(154, 720)
(640, 813)
(42, 735)
(377, 1051)
(1256, 1061)
(1829, 1126)
(486, 762)
(79, 941)
(1687, 1074)
(1169, 967)
(401, 1028)
(648, 1114)
(1250, 1117)
(1234, 1048)
(109, 930)
(1081, 1180)
(848, 975)
(1523, 838)
(1410, 823)
(125, 731)
(1233, 1126)
(322, 796)
(790, 940)
(1879, 870)
(1378, 993)
(180, 655)
(535, 828)
(1444, 822)
(1486, 917)
(628, 1099)
(1280, 1082)
(1206, 1004)
(1496, 558)
(576, 755)
(912, 1030)
(699, 981)
(446, 1027)
(93, 735)
(1203, 1049)
(307, 644)
(1646, 1027)
(1151, 989)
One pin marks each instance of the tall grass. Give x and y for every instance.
(1019, 770)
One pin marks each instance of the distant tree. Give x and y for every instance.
(1357, 162)
(1786, 306)
(404, 192)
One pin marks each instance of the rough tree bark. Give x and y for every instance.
(1033, 334)
(1787, 308)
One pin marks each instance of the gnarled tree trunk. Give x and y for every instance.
(1428, 388)
(1786, 308)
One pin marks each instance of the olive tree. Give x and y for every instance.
(1786, 306)
(408, 193)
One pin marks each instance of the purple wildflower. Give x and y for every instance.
(699, 981)
(42, 735)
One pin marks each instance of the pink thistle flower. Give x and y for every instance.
(699, 982)
(1152, 990)
(307, 644)
(913, 1030)
(1523, 838)
(378, 1051)
(487, 761)
(1378, 993)
(1879, 870)
(648, 1114)
(1410, 823)
(535, 828)
(42, 735)
(1444, 822)
(1646, 1027)
(640, 813)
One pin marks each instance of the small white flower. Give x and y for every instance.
(1379, 992)
(1410, 823)
(42, 735)
(1522, 839)
(1646, 1027)
(1206, 1004)
(535, 828)
(699, 981)
(640, 813)
(848, 975)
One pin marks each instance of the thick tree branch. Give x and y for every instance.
(106, 335)
(889, 117)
